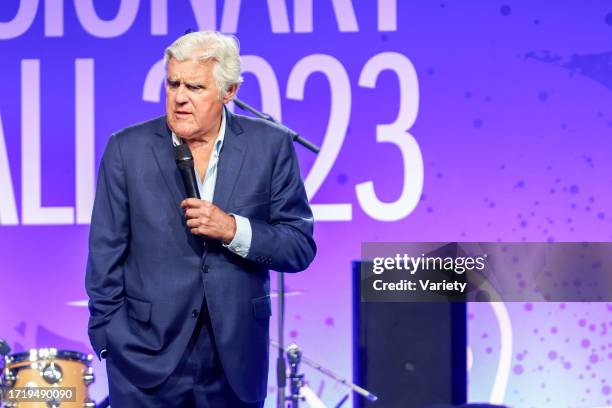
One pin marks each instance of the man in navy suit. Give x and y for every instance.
(179, 288)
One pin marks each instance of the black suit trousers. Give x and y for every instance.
(198, 381)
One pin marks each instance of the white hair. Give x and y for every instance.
(203, 46)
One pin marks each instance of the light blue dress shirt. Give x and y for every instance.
(241, 244)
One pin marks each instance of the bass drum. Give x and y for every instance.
(49, 376)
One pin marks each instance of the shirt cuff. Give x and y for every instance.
(241, 244)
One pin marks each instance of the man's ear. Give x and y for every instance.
(231, 92)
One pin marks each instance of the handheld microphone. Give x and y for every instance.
(184, 162)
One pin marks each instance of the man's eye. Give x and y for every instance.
(173, 84)
(194, 87)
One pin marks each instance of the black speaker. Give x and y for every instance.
(411, 355)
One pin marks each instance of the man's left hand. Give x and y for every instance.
(205, 218)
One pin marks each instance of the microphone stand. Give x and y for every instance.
(296, 357)
(281, 367)
(5, 349)
(296, 137)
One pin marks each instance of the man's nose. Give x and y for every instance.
(180, 96)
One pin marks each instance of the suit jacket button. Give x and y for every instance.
(195, 313)
(205, 268)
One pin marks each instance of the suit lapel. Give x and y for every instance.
(228, 167)
(163, 151)
(230, 162)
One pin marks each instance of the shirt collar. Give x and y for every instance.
(218, 141)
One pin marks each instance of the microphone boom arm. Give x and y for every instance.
(294, 135)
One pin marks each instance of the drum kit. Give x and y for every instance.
(54, 378)
(46, 378)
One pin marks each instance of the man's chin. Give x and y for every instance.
(180, 130)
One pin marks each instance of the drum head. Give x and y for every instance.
(48, 354)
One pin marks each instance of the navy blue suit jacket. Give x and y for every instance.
(147, 273)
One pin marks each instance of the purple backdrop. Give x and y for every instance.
(501, 130)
